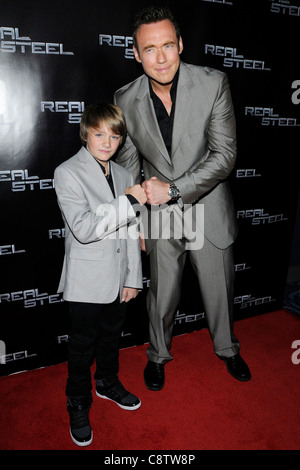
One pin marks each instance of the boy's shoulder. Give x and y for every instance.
(73, 160)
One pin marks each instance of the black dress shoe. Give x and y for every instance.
(237, 367)
(154, 376)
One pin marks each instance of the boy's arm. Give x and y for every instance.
(88, 226)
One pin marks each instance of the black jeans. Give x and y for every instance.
(94, 334)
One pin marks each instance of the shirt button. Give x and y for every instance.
(118, 250)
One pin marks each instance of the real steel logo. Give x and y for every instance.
(260, 217)
(21, 181)
(233, 59)
(223, 2)
(10, 250)
(124, 42)
(30, 298)
(73, 109)
(268, 117)
(245, 301)
(284, 7)
(15, 356)
(13, 42)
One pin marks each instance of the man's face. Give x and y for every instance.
(158, 50)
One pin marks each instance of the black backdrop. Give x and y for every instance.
(58, 56)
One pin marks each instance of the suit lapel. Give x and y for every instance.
(184, 98)
(149, 120)
(118, 181)
(96, 175)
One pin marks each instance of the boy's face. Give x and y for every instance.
(102, 143)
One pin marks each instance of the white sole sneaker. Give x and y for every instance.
(124, 407)
(79, 443)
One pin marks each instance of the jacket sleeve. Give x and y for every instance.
(134, 263)
(221, 155)
(128, 156)
(86, 225)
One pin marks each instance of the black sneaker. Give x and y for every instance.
(115, 391)
(80, 428)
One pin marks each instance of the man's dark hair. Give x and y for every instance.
(153, 15)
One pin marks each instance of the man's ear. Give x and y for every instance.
(180, 45)
(136, 54)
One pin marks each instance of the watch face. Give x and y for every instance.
(173, 193)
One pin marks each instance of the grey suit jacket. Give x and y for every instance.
(203, 144)
(101, 254)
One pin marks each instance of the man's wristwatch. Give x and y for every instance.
(174, 192)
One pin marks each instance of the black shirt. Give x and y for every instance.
(109, 179)
(165, 121)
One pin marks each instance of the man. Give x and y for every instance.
(181, 126)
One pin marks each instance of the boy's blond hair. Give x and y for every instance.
(109, 114)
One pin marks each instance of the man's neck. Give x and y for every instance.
(161, 89)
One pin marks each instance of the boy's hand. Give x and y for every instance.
(129, 293)
(138, 192)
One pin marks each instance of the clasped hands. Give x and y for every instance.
(153, 191)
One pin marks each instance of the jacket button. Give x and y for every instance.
(118, 250)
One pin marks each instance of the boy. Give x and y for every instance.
(102, 263)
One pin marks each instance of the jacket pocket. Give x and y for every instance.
(86, 253)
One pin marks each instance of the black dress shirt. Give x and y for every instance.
(165, 121)
(109, 179)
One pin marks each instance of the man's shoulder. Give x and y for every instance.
(203, 72)
(130, 87)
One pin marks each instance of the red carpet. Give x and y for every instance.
(200, 408)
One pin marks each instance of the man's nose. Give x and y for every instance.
(161, 56)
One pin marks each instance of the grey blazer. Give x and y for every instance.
(101, 254)
(203, 144)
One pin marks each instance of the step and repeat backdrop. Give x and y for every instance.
(58, 56)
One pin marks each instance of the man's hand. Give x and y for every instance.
(129, 293)
(156, 191)
(138, 192)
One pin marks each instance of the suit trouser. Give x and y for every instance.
(215, 271)
(94, 334)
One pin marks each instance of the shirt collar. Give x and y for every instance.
(102, 167)
(173, 87)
